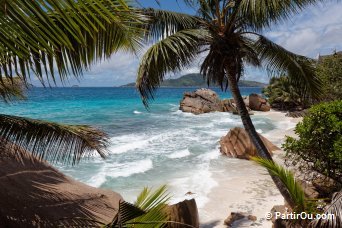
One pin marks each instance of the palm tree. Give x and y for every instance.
(46, 37)
(283, 94)
(228, 33)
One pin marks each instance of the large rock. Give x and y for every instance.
(236, 217)
(206, 100)
(183, 212)
(230, 106)
(257, 103)
(237, 144)
(201, 101)
(34, 194)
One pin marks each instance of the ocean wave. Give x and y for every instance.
(123, 144)
(199, 182)
(259, 131)
(115, 170)
(180, 154)
(213, 154)
(136, 112)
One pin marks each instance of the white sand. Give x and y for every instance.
(246, 187)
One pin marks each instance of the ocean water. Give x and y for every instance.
(147, 148)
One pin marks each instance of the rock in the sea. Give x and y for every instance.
(201, 101)
(229, 106)
(237, 144)
(183, 212)
(257, 103)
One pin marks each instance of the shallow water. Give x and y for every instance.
(163, 146)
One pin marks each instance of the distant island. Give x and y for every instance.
(196, 80)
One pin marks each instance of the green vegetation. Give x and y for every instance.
(149, 210)
(329, 69)
(320, 140)
(293, 187)
(42, 36)
(197, 80)
(282, 94)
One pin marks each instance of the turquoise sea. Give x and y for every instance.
(147, 148)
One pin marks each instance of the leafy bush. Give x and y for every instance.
(320, 140)
(329, 69)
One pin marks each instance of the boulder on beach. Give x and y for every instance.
(257, 103)
(183, 212)
(205, 100)
(230, 106)
(201, 101)
(34, 194)
(236, 216)
(237, 144)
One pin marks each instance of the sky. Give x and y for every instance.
(316, 30)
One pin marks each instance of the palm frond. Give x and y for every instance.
(147, 211)
(162, 23)
(52, 141)
(288, 179)
(263, 13)
(11, 89)
(155, 203)
(41, 35)
(333, 214)
(279, 61)
(127, 212)
(168, 55)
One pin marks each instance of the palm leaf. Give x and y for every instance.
(335, 209)
(52, 141)
(300, 69)
(168, 55)
(162, 23)
(11, 89)
(259, 14)
(147, 211)
(41, 35)
(288, 179)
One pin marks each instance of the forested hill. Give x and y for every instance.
(196, 80)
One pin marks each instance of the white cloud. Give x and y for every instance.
(318, 29)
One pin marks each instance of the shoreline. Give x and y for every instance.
(249, 189)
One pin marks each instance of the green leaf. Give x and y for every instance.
(168, 55)
(288, 179)
(52, 141)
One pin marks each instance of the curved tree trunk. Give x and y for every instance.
(256, 140)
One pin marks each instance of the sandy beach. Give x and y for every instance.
(248, 188)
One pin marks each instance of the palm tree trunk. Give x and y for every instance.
(254, 136)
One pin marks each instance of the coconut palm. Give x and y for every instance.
(283, 94)
(228, 34)
(53, 39)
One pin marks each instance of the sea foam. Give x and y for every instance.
(115, 170)
(179, 154)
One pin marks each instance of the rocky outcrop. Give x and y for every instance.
(206, 100)
(34, 194)
(237, 144)
(185, 212)
(257, 103)
(201, 101)
(237, 216)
